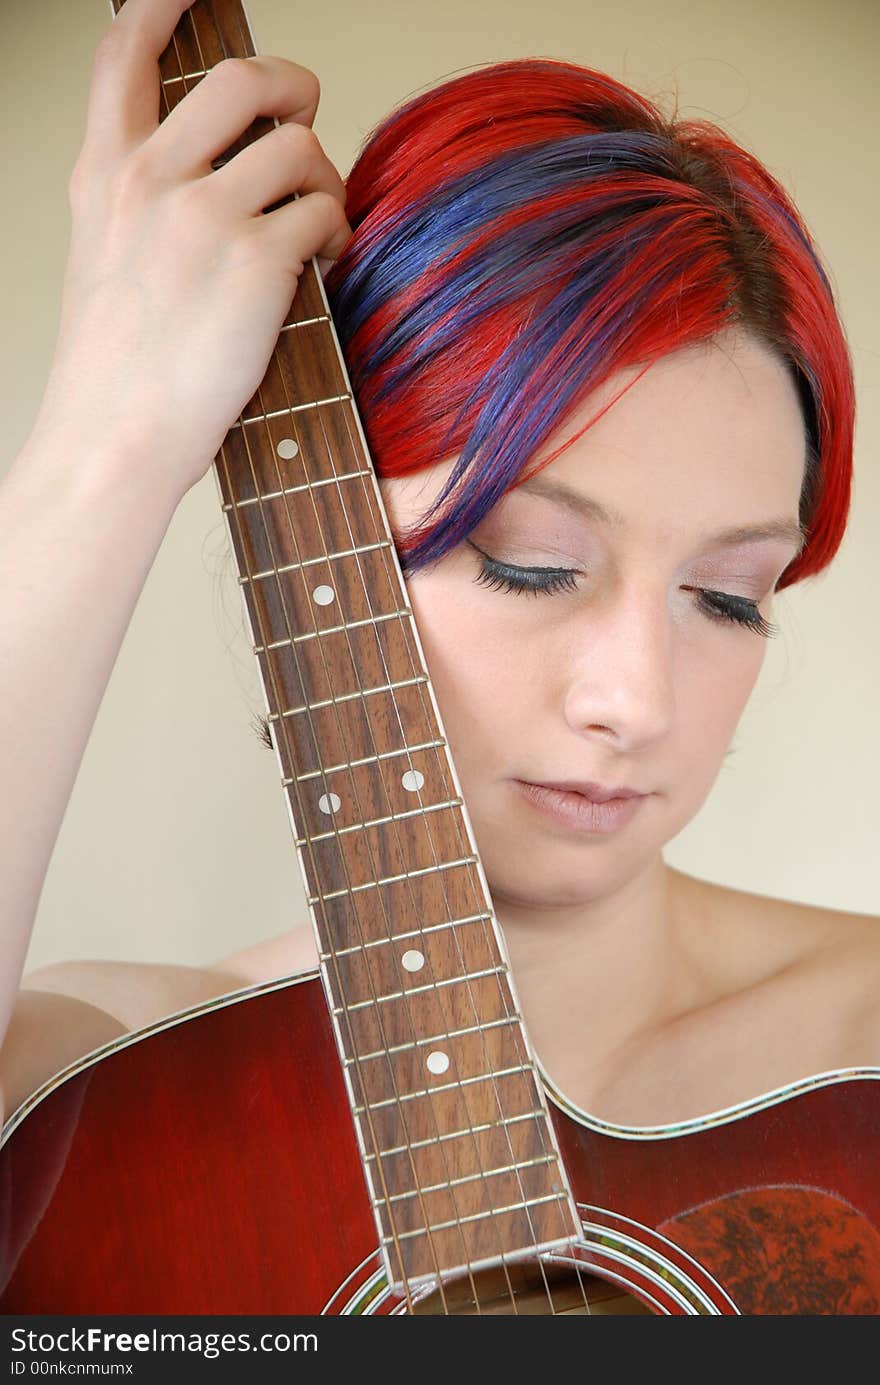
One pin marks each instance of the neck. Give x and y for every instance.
(595, 976)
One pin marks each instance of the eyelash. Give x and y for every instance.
(720, 606)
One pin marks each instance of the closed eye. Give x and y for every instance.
(723, 606)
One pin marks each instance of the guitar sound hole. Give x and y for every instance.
(526, 1288)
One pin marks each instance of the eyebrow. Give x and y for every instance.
(586, 505)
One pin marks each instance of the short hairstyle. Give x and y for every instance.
(524, 231)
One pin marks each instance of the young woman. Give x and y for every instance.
(610, 403)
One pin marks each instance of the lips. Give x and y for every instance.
(575, 811)
(596, 793)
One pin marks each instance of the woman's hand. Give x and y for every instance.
(176, 284)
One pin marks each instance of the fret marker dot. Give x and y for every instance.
(329, 802)
(287, 448)
(413, 780)
(412, 960)
(323, 595)
(437, 1062)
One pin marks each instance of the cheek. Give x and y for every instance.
(477, 675)
(712, 698)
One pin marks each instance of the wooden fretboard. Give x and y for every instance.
(458, 1150)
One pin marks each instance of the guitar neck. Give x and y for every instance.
(458, 1150)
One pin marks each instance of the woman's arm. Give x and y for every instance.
(176, 288)
(80, 524)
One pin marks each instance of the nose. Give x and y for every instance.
(619, 669)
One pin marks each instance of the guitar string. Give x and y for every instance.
(384, 552)
(370, 724)
(491, 944)
(375, 873)
(416, 916)
(362, 818)
(303, 818)
(385, 557)
(502, 990)
(424, 818)
(311, 494)
(272, 676)
(481, 923)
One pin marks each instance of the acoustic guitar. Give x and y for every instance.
(376, 1136)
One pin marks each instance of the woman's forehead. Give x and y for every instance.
(703, 416)
(714, 427)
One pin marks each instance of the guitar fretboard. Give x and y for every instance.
(458, 1151)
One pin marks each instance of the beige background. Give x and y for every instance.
(176, 844)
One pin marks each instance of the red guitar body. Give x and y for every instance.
(210, 1165)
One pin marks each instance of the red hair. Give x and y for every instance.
(525, 231)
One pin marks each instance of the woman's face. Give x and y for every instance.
(620, 676)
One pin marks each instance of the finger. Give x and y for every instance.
(216, 112)
(312, 225)
(288, 159)
(123, 108)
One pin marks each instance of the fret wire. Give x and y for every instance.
(184, 77)
(417, 990)
(366, 760)
(346, 697)
(305, 322)
(433, 1038)
(469, 1178)
(310, 562)
(393, 879)
(379, 822)
(540, 1114)
(291, 409)
(334, 630)
(479, 1216)
(401, 937)
(488, 1076)
(292, 490)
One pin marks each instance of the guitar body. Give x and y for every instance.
(210, 1165)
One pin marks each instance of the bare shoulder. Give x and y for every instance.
(830, 956)
(290, 954)
(842, 962)
(66, 1010)
(135, 994)
(139, 993)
